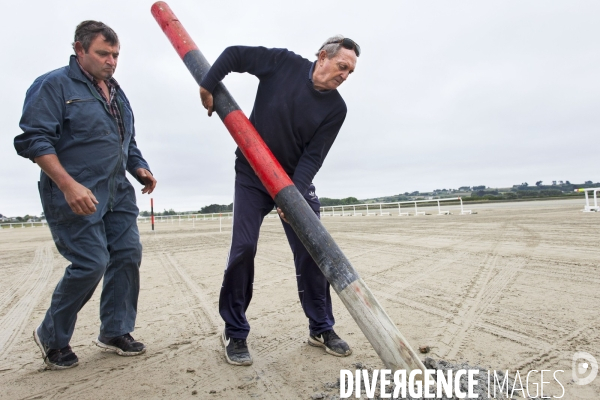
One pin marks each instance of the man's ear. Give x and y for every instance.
(79, 49)
(322, 55)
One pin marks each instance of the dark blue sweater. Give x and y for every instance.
(297, 122)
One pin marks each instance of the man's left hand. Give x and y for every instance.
(281, 214)
(207, 100)
(146, 177)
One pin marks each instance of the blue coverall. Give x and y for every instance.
(65, 115)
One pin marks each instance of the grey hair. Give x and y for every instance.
(86, 32)
(332, 48)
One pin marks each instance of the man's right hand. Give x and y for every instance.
(81, 199)
(207, 100)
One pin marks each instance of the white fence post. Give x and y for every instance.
(463, 211)
(588, 207)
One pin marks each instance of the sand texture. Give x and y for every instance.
(515, 286)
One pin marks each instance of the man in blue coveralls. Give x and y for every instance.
(78, 126)
(298, 112)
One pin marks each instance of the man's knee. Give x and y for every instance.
(88, 267)
(246, 250)
(241, 252)
(131, 255)
(135, 253)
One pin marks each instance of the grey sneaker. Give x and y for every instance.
(56, 359)
(236, 350)
(331, 342)
(123, 345)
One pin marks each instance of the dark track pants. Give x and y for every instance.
(251, 204)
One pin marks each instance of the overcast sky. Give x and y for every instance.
(445, 94)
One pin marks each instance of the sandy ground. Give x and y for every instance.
(515, 286)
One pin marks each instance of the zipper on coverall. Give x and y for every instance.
(112, 182)
(113, 174)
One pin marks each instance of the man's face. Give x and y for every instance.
(100, 60)
(334, 71)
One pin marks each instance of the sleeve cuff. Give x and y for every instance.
(41, 152)
(209, 84)
(133, 172)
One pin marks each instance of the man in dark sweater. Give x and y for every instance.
(298, 112)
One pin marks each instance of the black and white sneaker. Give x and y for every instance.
(56, 359)
(331, 342)
(236, 350)
(124, 345)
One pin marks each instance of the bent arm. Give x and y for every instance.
(135, 160)
(137, 166)
(139, 169)
(41, 121)
(258, 61)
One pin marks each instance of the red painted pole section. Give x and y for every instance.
(171, 26)
(257, 153)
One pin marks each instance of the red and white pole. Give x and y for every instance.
(152, 212)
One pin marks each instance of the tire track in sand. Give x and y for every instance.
(208, 319)
(491, 281)
(218, 369)
(8, 296)
(463, 312)
(105, 375)
(30, 287)
(265, 350)
(576, 340)
(203, 315)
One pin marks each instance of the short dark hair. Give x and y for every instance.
(87, 31)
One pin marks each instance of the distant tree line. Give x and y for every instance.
(326, 201)
(165, 212)
(518, 194)
(216, 208)
(391, 199)
(478, 192)
(211, 209)
(25, 218)
(564, 186)
(524, 191)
